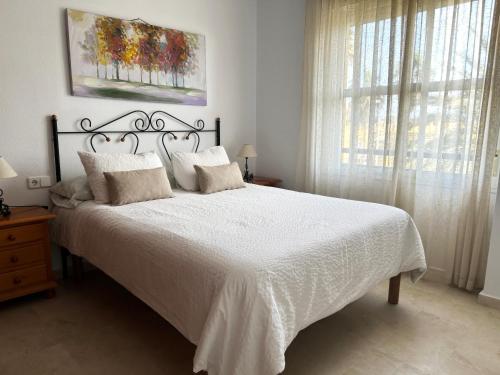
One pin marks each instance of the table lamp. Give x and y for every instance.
(247, 151)
(6, 171)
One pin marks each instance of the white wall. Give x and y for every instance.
(34, 76)
(280, 47)
(491, 292)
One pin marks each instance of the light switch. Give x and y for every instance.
(45, 181)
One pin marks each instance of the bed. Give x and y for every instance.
(239, 273)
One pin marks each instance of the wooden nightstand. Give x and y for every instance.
(25, 265)
(266, 181)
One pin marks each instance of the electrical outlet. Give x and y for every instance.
(34, 182)
(38, 182)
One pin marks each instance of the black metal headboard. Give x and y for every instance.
(142, 124)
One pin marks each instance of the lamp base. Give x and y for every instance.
(4, 209)
(247, 177)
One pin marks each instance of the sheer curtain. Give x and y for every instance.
(400, 106)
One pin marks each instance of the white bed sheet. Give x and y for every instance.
(239, 273)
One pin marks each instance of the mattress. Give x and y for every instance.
(239, 273)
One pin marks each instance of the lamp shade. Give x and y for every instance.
(6, 171)
(247, 151)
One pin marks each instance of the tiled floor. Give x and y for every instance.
(97, 327)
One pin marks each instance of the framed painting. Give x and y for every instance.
(115, 58)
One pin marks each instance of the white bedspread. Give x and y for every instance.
(240, 273)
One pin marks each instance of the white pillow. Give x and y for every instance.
(96, 164)
(76, 188)
(183, 165)
(60, 201)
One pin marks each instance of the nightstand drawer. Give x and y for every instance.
(21, 278)
(20, 234)
(30, 253)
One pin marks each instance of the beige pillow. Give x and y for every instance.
(137, 186)
(218, 178)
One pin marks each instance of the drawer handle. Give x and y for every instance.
(14, 259)
(11, 237)
(17, 280)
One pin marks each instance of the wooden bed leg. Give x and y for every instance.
(64, 262)
(77, 267)
(394, 284)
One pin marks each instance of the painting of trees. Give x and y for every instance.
(130, 54)
(112, 37)
(148, 49)
(178, 54)
(156, 62)
(89, 46)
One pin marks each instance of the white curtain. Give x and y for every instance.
(400, 106)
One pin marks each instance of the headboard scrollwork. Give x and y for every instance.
(142, 124)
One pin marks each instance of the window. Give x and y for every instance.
(446, 64)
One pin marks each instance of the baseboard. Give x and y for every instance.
(436, 274)
(487, 300)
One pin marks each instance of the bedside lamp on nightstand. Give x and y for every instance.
(6, 171)
(247, 151)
